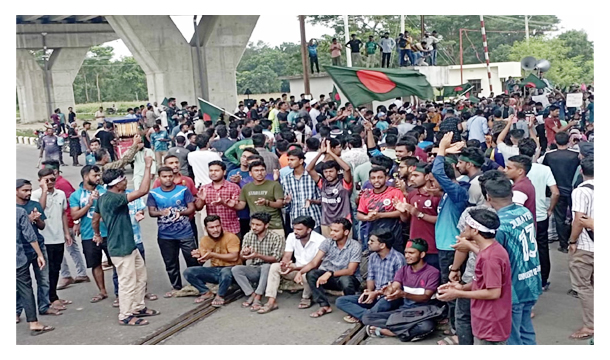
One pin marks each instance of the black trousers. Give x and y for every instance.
(348, 284)
(560, 214)
(170, 250)
(195, 231)
(379, 320)
(314, 60)
(111, 153)
(25, 291)
(385, 59)
(541, 132)
(55, 252)
(542, 238)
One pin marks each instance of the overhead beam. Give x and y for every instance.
(58, 17)
(29, 18)
(85, 17)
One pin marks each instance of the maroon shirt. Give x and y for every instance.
(491, 319)
(420, 228)
(526, 187)
(64, 185)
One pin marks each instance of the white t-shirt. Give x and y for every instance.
(582, 201)
(541, 176)
(53, 231)
(508, 151)
(199, 161)
(303, 255)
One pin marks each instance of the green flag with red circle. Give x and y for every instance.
(209, 111)
(336, 97)
(363, 85)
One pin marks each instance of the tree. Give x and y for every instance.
(263, 80)
(579, 44)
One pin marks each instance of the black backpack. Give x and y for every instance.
(588, 186)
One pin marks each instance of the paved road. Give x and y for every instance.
(557, 314)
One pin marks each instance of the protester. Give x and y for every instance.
(300, 190)
(220, 198)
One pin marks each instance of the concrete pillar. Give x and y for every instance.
(162, 52)
(64, 65)
(30, 88)
(223, 41)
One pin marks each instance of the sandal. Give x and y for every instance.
(170, 294)
(305, 304)
(248, 302)
(128, 321)
(581, 335)
(256, 306)
(146, 312)
(98, 298)
(321, 312)
(350, 319)
(151, 297)
(65, 302)
(52, 311)
(204, 297)
(18, 319)
(218, 302)
(116, 303)
(373, 333)
(267, 308)
(46, 328)
(448, 340)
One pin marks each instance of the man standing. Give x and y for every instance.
(272, 162)
(200, 160)
(312, 49)
(173, 204)
(563, 163)
(82, 205)
(106, 137)
(181, 153)
(49, 146)
(376, 206)
(477, 127)
(371, 48)
(517, 234)
(56, 231)
(490, 291)
(300, 189)
(99, 117)
(469, 163)
(234, 152)
(335, 52)
(582, 247)
(113, 207)
(383, 264)
(159, 141)
(27, 238)
(220, 197)
(139, 165)
(524, 193)
(552, 125)
(303, 243)
(222, 248)
(335, 266)
(263, 247)
(387, 45)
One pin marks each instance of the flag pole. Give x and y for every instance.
(304, 55)
(348, 51)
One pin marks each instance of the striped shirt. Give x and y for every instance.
(582, 202)
(382, 271)
(271, 245)
(301, 190)
(336, 259)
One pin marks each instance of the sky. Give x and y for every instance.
(267, 26)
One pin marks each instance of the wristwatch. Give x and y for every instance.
(76, 222)
(420, 215)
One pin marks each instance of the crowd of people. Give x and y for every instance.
(419, 213)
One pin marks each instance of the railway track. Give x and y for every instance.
(187, 319)
(354, 336)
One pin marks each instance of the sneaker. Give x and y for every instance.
(80, 279)
(563, 250)
(64, 283)
(546, 287)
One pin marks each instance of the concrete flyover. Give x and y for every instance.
(168, 60)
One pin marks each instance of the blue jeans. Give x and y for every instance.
(77, 256)
(42, 284)
(445, 259)
(350, 305)
(411, 56)
(433, 57)
(115, 276)
(522, 331)
(416, 57)
(199, 276)
(402, 61)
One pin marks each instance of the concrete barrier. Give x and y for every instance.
(20, 138)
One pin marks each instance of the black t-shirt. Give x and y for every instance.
(563, 164)
(71, 116)
(282, 116)
(105, 138)
(355, 45)
(254, 114)
(429, 131)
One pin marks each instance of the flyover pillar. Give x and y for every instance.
(64, 65)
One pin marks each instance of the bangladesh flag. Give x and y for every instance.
(363, 85)
(456, 90)
(534, 80)
(165, 102)
(336, 97)
(209, 111)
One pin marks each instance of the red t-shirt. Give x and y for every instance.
(64, 185)
(419, 228)
(522, 189)
(491, 319)
(549, 124)
(420, 154)
(184, 181)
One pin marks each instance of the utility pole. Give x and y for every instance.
(199, 64)
(348, 52)
(421, 20)
(402, 24)
(527, 29)
(304, 55)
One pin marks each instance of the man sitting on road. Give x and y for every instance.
(384, 262)
(304, 244)
(263, 247)
(335, 266)
(222, 248)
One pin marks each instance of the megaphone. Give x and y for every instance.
(529, 63)
(543, 65)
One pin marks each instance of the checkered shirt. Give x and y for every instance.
(271, 245)
(381, 270)
(301, 190)
(228, 216)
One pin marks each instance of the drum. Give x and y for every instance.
(125, 127)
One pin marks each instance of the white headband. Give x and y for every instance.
(117, 180)
(477, 225)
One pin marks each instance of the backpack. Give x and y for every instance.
(402, 42)
(589, 232)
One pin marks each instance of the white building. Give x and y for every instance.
(438, 76)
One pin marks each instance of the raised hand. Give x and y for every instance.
(455, 148)
(148, 160)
